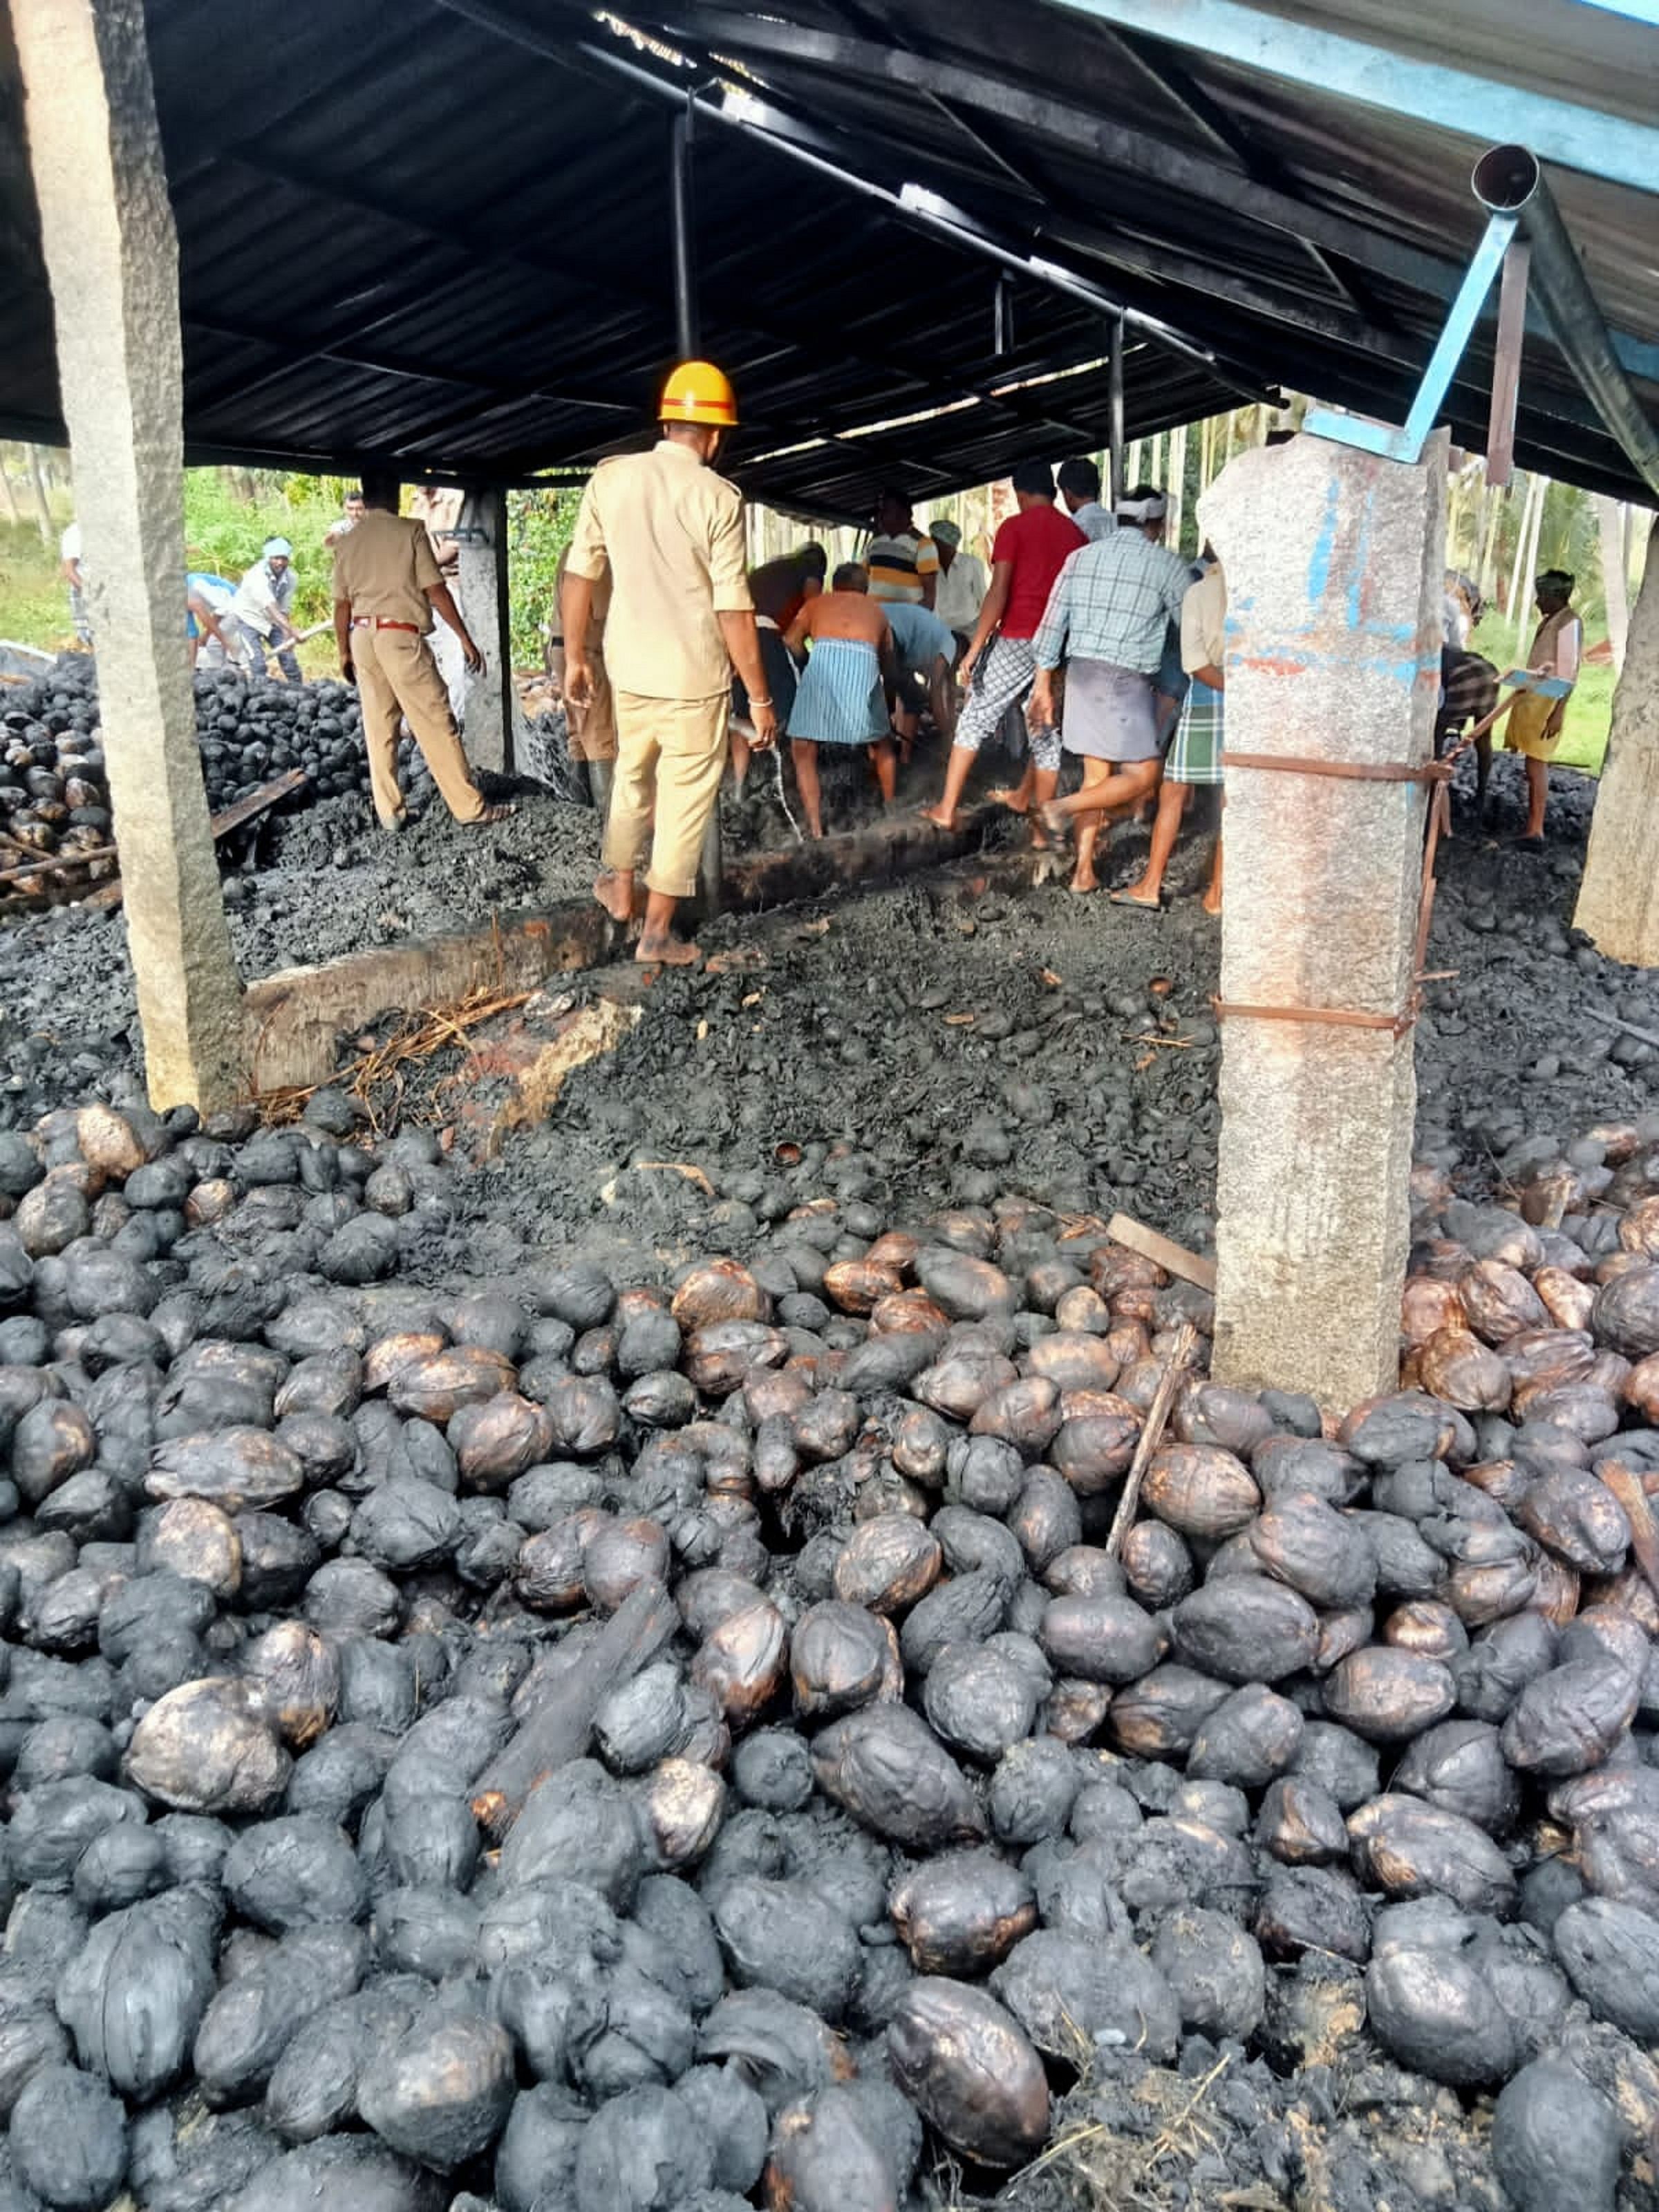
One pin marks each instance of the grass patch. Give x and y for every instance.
(34, 599)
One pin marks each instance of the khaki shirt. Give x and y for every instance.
(1204, 623)
(385, 567)
(597, 614)
(668, 532)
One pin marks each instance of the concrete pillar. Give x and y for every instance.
(112, 254)
(1619, 898)
(495, 721)
(1333, 560)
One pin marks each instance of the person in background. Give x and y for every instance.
(1535, 723)
(387, 589)
(668, 533)
(1080, 489)
(901, 562)
(780, 589)
(439, 506)
(352, 516)
(260, 624)
(923, 649)
(842, 697)
(207, 602)
(1169, 684)
(1195, 756)
(1000, 666)
(960, 591)
(1106, 617)
(1468, 681)
(70, 570)
(591, 728)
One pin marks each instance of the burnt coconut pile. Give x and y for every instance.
(663, 1749)
(54, 795)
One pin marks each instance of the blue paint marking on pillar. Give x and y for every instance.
(1559, 130)
(1318, 562)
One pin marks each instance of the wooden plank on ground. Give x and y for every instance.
(1174, 1259)
(233, 817)
(58, 861)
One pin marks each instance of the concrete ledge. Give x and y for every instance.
(295, 1016)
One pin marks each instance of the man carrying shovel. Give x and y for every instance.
(261, 624)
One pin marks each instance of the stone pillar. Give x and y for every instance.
(1333, 560)
(112, 254)
(494, 719)
(1619, 898)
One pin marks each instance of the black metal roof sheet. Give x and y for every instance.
(439, 234)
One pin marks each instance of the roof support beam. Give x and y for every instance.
(1173, 81)
(1560, 130)
(911, 382)
(1081, 129)
(1315, 318)
(986, 140)
(775, 126)
(1510, 177)
(351, 356)
(1112, 143)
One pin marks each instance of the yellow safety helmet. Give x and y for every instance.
(697, 391)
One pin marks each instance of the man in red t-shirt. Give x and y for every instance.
(1000, 666)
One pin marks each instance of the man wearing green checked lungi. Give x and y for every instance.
(1195, 754)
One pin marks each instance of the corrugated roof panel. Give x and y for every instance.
(402, 235)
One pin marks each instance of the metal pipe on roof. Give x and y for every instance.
(1116, 415)
(1507, 179)
(685, 225)
(909, 203)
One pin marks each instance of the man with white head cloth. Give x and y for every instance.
(260, 623)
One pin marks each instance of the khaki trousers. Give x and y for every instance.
(669, 759)
(593, 728)
(397, 677)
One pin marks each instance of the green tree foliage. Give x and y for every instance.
(540, 524)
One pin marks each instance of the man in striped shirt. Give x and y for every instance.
(1079, 487)
(902, 564)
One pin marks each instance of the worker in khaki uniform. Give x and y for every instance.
(667, 533)
(387, 586)
(591, 727)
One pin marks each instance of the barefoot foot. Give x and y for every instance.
(614, 895)
(939, 817)
(666, 951)
(1011, 796)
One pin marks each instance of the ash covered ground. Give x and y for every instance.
(1351, 1904)
(913, 1044)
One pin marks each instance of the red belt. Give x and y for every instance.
(378, 622)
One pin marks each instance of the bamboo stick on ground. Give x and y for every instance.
(1628, 1487)
(1157, 1414)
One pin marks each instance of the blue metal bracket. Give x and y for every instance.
(1265, 38)
(1406, 443)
